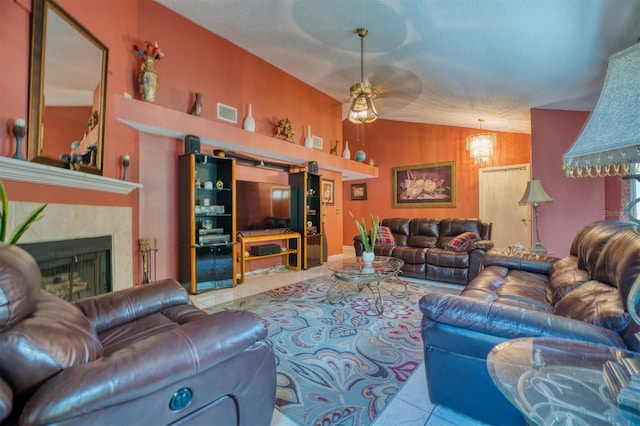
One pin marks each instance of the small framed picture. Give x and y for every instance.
(358, 191)
(328, 191)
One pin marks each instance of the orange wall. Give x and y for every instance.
(393, 144)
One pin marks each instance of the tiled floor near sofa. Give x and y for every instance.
(411, 407)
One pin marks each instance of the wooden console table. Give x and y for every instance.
(286, 237)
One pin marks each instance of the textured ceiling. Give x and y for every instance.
(445, 62)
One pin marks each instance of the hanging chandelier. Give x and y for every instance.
(480, 146)
(362, 110)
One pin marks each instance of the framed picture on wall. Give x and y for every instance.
(358, 191)
(328, 191)
(425, 185)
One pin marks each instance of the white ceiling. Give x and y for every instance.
(446, 62)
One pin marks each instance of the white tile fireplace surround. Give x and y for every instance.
(65, 221)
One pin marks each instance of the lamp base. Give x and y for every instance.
(538, 248)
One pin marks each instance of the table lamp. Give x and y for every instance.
(536, 195)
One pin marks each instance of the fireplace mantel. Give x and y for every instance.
(27, 171)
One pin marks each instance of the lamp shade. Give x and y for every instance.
(535, 194)
(610, 139)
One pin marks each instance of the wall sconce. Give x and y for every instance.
(481, 145)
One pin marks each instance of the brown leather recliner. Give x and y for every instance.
(143, 355)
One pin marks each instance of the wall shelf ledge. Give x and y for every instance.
(158, 120)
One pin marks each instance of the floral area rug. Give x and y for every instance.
(339, 364)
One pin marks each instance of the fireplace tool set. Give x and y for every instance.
(148, 262)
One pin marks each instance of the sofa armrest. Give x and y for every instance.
(529, 262)
(485, 245)
(113, 309)
(509, 322)
(145, 367)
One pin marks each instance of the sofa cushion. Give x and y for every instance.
(385, 237)
(462, 241)
(565, 277)
(421, 241)
(411, 255)
(596, 303)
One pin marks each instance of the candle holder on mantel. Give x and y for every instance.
(148, 258)
(19, 130)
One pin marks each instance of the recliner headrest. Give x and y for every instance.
(20, 282)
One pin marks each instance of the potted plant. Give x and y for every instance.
(22, 226)
(368, 238)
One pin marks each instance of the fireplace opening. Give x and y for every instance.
(75, 268)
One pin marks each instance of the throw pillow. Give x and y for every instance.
(385, 237)
(462, 242)
(596, 303)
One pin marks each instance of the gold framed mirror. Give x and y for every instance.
(67, 91)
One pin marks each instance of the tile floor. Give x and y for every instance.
(411, 407)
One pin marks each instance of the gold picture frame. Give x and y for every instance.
(425, 185)
(328, 191)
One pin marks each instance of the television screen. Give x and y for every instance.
(262, 205)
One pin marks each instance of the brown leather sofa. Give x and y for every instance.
(421, 243)
(145, 355)
(582, 297)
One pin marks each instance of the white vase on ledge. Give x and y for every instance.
(346, 154)
(249, 123)
(308, 142)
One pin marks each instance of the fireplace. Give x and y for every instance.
(75, 268)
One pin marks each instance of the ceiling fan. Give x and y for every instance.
(362, 110)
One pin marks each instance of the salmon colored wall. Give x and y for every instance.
(576, 202)
(195, 60)
(395, 144)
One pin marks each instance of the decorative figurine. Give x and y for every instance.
(196, 109)
(284, 130)
(334, 149)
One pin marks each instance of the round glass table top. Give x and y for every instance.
(563, 382)
(354, 269)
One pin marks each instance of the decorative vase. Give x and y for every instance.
(196, 109)
(367, 258)
(148, 80)
(249, 123)
(360, 156)
(346, 153)
(308, 142)
(371, 163)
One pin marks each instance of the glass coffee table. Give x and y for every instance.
(559, 381)
(353, 270)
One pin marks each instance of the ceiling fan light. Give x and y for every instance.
(363, 111)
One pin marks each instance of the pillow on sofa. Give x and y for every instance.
(462, 242)
(385, 237)
(596, 303)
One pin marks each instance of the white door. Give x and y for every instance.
(501, 189)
